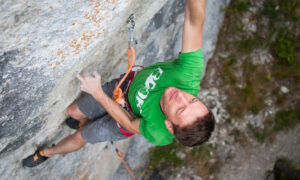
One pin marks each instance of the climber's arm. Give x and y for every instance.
(193, 25)
(92, 85)
(117, 112)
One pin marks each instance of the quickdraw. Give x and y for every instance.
(117, 94)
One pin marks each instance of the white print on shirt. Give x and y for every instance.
(150, 83)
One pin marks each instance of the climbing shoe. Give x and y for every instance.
(72, 123)
(34, 159)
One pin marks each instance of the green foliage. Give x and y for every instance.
(286, 161)
(274, 9)
(278, 34)
(229, 68)
(161, 156)
(283, 120)
(254, 109)
(249, 98)
(238, 6)
(248, 90)
(270, 9)
(285, 47)
(165, 158)
(260, 137)
(247, 45)
(258, 133)
(239, 136)
(204, 150)
(237, 133)
(250, 126)
(297, 43)
(286, 118)
(289, 8)
(232, 61)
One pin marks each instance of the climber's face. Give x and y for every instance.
(181, 108)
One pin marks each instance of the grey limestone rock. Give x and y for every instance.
(42, 45)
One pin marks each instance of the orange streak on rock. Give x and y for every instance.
(98, 34)
(94, 18)
(78, 46)
(100, 19)
(59, 52)
(86, 15)
(97, 4)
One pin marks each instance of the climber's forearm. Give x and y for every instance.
(117, 112)
(193, 25)
(92, 85)
(195, 11)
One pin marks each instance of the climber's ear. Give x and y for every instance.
(169, 126)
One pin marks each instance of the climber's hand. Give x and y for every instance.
(90, 84)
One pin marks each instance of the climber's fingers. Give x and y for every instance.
(85, 75)
(80, 78)
(96, 75)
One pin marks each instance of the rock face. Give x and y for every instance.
(42, 46)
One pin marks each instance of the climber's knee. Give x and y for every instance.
(74, 112)
(78, 140)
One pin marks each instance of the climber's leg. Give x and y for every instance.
(102, 130)
(69, 144)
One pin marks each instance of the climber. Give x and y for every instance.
(162, 101)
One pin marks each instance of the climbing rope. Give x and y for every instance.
(117, 94)
(118, 91)
(120, 154)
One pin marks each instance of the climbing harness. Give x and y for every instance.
(117, 94)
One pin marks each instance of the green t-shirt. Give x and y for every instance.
(149, 84)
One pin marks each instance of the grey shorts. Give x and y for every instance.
(102, 127)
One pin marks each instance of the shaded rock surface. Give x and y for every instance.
(42, 46)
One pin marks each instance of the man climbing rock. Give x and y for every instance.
(161, 97)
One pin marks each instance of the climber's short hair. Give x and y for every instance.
(196, 133)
